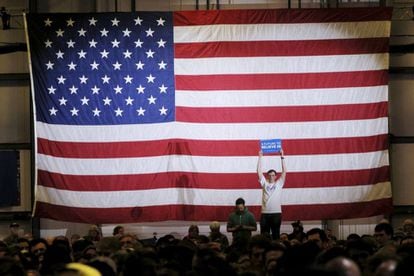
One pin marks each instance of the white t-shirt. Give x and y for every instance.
(272, 195)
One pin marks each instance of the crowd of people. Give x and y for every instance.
(314, 252)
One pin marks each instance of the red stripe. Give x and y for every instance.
(208, 148)
(281, 48)
(208, 213)
(281, 114)
(188, 18)
(137, 214)
(208, 180)
(281, 81)
(338, 211)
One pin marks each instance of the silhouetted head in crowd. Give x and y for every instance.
(408, 227)
(38, 248)
(383, 233)
(55, 258)
(209, 263)
(118, 231)
(318, 236)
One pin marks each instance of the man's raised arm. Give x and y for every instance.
(259, 165)
(282, 159)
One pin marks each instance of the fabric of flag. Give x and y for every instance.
(156, 116)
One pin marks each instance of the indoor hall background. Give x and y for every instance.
(16, 126)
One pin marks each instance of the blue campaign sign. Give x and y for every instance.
(271, 146)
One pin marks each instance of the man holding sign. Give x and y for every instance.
(271, 217)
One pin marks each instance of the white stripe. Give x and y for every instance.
(257, 98)
(121, 199)
(349, 194)
(208, 164)
(199, 131)
(280, 65)
(299, 31)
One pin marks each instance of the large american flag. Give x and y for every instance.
(154, 116)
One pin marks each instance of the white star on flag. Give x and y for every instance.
(118, 89)
(71, 43)
(151, 100)
(53, 111)
(72, 66)
(70, 22)
(161, 43)
(73, 90)
(96, 112)
(60, 33)
(82, 32)
(162, 65)
(140, 65)
(74, 111)
(94, 65)
(163, 88)
(117, 66)
(115, 22)
(163, 110)
(107, 101)
(104, 54)
(104, 32)
(92, 43)
(128, 79)
(48, 22)
(49, 65)
(85, 101)
(129, 101)
(92, 21)
(150, 78)
(61, 79)
(149, 32)
(138, 21)
(138, 43)
(150, 53)
(95, 90)
(51, 90)
(105, 79)
(118, 112)
(82, 54)
(127, 54)
(48, 44)
(140, 89)
(115, 43)
(141, 111)
(83, 79)
(160, 22)
(126, 32)
(60, 54)
(62, 101)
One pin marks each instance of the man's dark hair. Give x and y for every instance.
(271, 170)
(319, 231)
(386, 227)
(37, 241)
(240, 201)
(116, 230)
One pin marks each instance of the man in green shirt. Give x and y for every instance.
(241, 222)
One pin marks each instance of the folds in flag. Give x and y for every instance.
(154, 116)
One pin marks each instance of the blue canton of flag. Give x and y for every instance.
(103, 68)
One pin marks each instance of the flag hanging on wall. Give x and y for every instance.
(155, 116)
